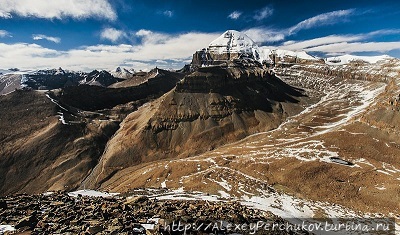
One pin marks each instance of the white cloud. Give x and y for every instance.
(165, 47)
(168, 13)
(44, 37)
(149, 37)
(262, 35)
(169, 46)
(235, 15)
(4, 33)
(296, 46)
(322, 19)
(112, 34)
(332, 39)
(263, 13)
(345, 47)
(57, 9)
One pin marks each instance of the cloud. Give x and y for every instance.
(322, 19)
(332, 39)
(112, 34)
(262, 35)
(263, 13)
(356, 47)
(235, 15)
(265, 35)
(4, 33)
(301, 45)
(152, 47)
(168, 13)
(44, 37)
(60, 9)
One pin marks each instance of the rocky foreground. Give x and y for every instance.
(61, 213)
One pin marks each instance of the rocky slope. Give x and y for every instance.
(60, 213)
(208, 108)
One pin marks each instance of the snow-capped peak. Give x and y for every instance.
(59, 71)
(122, 73)
(233, 41)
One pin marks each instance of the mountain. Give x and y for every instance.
(229, 46)
(335, 151)
(122, 73)
(208, 108)
(234, 43)
(98, 78)
(152, 77)
(53, 79)
(52, 140)
(278, 130)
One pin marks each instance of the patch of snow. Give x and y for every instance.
(91, 193)
(266, 52)
(6, 228)
(47, 193)
(224, 194)
(180, 194)
(383, 172)
(223, 183)
(382, 187)
(148, 226)
(345, 59)
(56, 102)
(62, 119)
(164, 184)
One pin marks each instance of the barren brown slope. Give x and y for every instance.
(38, 152)
(53, 143)
(208, 108)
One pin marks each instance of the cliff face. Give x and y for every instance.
(208, 108)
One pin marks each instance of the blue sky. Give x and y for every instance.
(104, 34)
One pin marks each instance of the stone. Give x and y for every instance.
(95, 229)
(3, 204)
(29, 221)
(135, 200)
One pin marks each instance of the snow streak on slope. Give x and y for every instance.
(60, 114)
(9, 83)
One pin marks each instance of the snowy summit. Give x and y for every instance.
(233, 41)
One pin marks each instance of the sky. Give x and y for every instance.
(104, 34)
